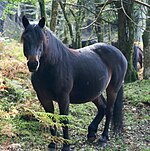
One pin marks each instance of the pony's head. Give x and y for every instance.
(33, 40)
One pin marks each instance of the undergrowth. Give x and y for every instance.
(24, 124)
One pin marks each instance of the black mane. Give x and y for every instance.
(55, 48)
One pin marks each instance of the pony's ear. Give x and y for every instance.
(25, 21)
(42, 22)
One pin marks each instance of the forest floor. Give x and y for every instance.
(24, 126)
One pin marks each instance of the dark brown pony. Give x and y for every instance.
(75, 76)
(137, 57)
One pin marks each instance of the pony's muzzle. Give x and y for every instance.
(33, 65)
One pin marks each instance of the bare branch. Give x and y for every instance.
(83, 6)
(143, 28)
(100, 12)
(102, 9)
(106, 3)
(141, 3)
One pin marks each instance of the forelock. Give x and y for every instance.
(35, 31)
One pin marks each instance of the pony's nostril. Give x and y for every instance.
(33, 65)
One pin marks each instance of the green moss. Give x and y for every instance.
(137, 92)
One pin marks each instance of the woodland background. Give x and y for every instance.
(23, 123)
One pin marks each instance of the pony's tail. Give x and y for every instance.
(117, 119)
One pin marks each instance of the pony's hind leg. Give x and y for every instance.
(117, 119)
(92, 129)
(111, 97)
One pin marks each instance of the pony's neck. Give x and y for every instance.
(55, 49)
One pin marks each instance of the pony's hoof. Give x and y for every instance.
(52, 147)
(66, 148)
(91, 139)
(103, 142)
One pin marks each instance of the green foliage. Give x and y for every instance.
(12, 5)
(48, 119)
(23, 1)
(9, 10)
(30, 128)
(16, 91)
(138, 92)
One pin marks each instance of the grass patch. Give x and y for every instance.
(138, 92)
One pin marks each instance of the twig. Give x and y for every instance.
(143, 28)
(106, 3)
(69, 4)
(100, 12)
(126, 13)
(142, 3)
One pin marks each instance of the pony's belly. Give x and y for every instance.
(86, 93)
(89, 87)
(80, 98)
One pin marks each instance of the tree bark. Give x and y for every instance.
(54, 14)
(68, 23)
(126, 36)
(99, 26)
(79, 17)
(77, 42)
(146, 42)
(42, 9)
(141, 23)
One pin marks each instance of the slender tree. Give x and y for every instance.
(68, 23)
(146, 41)
(99, 26)
(54, 15)
(42, 9)
(78, 17)
(140, 19)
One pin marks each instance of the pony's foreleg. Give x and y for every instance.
(140, 60)
(53, 129)
(64, 110)
(47, 104)
(49, 108)
(92, 129)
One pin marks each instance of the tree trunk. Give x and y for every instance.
(99, 26)
(126, 37)
(54, 14)
(77, 42)
(79, 17)
(42, 9)
(140, 23)
(99, 30)
(146, 42)
(68, 23)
